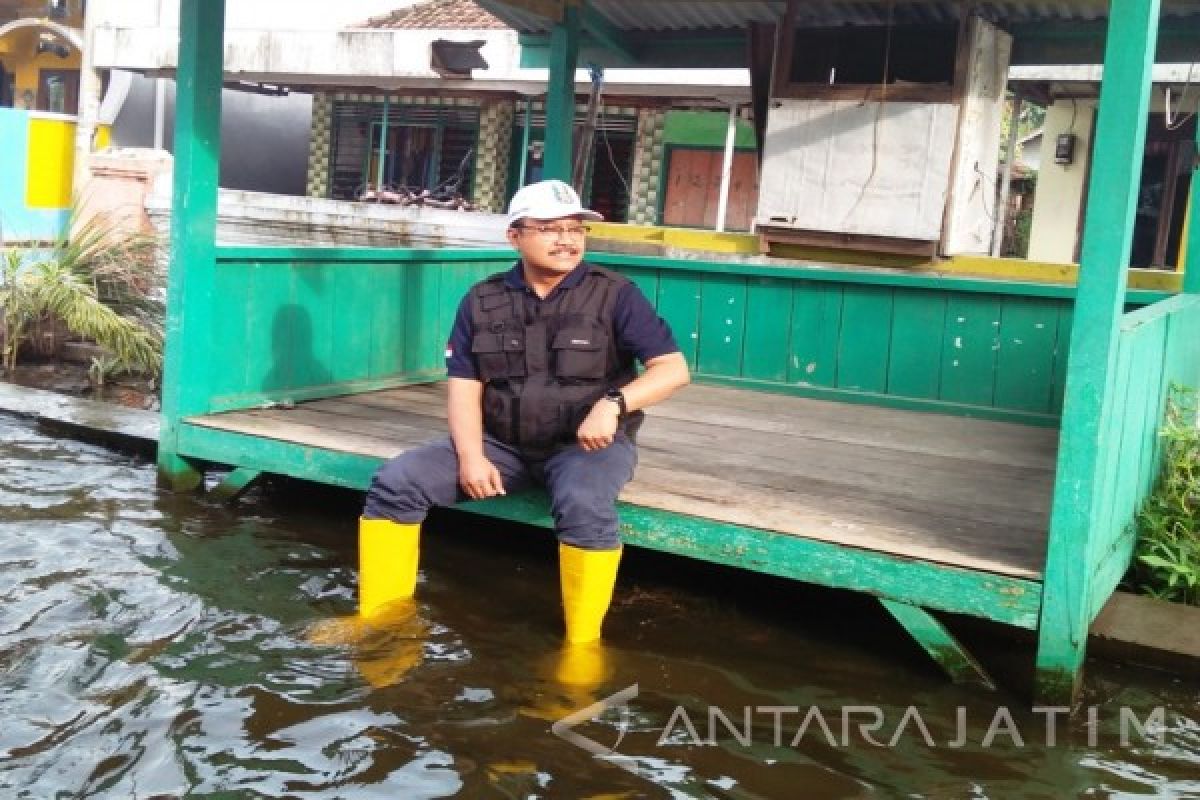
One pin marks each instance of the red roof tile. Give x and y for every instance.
(442, 14)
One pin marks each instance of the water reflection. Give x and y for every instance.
(153, 645)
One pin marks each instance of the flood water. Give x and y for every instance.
(154, 645)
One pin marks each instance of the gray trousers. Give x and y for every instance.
(582, 485)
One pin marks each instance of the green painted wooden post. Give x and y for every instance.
(235, 484)
(1084, 449)
(383, 132)
(560, 96)
(1191, 258)
(193, 230)
(939, 643)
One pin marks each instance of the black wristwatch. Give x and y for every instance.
(618, 397)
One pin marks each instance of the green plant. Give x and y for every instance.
(1167, 558)
(1023, 222)
(16, 306)
(1031, 118)
(102, 368)
(102, 284)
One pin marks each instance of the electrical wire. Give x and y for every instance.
(613, 161)
(1170, 123)
(454, 182)
(993, 188)
(887, 63)
(602, 123)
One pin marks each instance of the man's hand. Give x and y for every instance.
(479, 478)
(600, 426)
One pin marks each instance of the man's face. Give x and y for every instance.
(550, 245)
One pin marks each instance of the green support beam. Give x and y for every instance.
(235, 484)
(940, 644)
(1082, 42)
(549, 9)
(176, 472)
(1083, 449)
(1002, 599)
(1191, 256)
(604, 33)
(1011, 601)
(193, 229)
(560, 96)
(656, 49)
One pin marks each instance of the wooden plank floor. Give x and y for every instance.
(971, 493)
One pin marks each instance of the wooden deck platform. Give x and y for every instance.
(949, 490)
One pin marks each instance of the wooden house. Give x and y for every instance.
(884, 136)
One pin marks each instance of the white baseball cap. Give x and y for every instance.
(547, 200)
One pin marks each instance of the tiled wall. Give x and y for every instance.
(647, 167)
(320, 146)
(403, 99)
(492, 155)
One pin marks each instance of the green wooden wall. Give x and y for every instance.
(300, 323)
(296, 324)
(1159, 345)
(959, 345)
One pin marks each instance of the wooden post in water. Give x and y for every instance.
(560, 95)
(1084, 450)
(190, 278)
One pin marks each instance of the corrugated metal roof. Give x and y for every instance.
(685, 15)
(654, 16)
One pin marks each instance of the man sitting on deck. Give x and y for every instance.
(542, 390)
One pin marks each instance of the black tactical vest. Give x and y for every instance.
(544, 365)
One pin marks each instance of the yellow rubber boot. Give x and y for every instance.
(587, 578)
(388, 553)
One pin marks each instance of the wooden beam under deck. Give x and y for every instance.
(966, 493)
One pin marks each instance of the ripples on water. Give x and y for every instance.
(153, 645)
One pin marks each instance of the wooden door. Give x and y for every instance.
(743, 191)
(694, 185)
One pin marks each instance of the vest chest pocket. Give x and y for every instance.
(499, 355)
(580, 353)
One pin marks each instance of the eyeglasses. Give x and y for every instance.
(555, 231)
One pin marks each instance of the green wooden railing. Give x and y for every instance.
(305, 323)
(969, 346)
(1158, 346)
